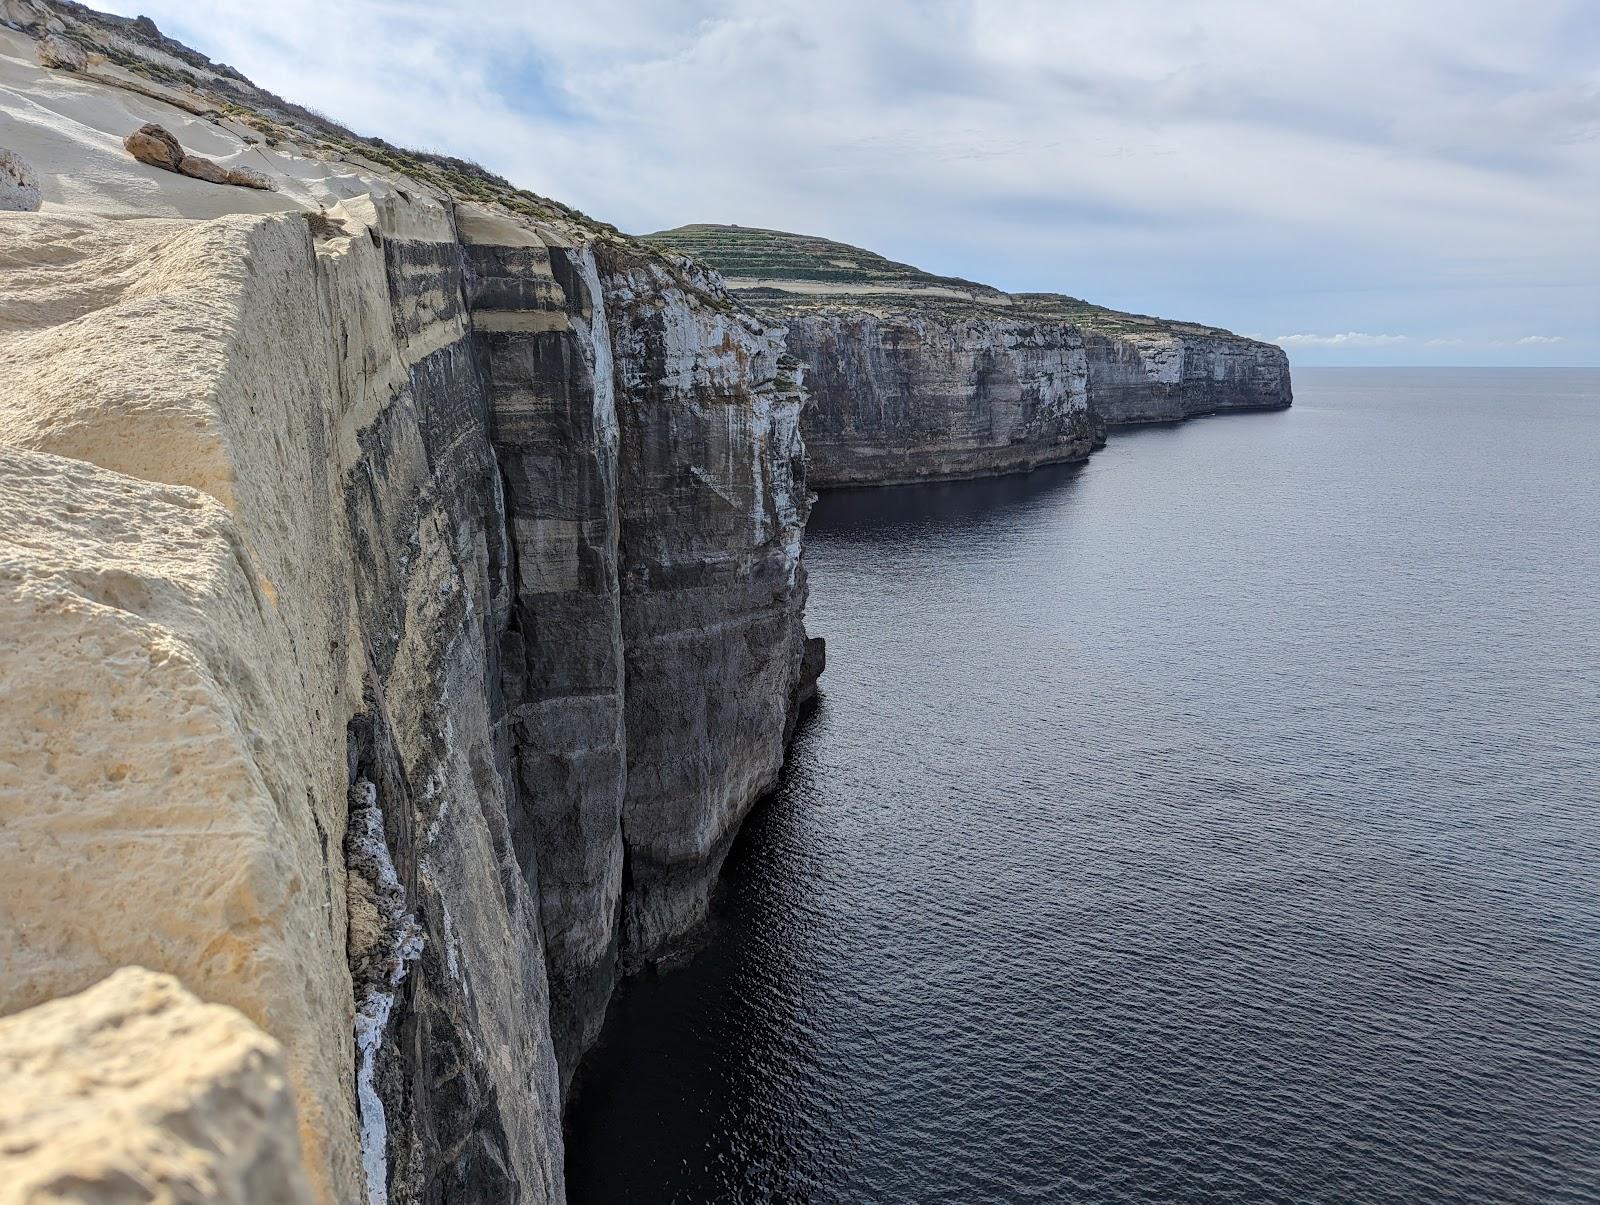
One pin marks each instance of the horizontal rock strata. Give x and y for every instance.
(400, 608)
(912, 376)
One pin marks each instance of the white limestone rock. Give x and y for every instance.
(19, 186)
(135, 1091)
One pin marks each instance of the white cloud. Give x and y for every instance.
(1222, 163)
(1446, 343)
(1539, 340)
(1348, 339)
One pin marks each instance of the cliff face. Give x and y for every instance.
(399, 611)
(1163, 377)
(296, 802)
(901, 395)
(712, 582)
(913, 376)
(654, 481)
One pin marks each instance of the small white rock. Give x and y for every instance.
(19, 186)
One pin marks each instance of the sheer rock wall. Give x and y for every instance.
(899, 396)
(391, 649)
(912, 376)
(1165, 377)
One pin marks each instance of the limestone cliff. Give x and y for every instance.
(400, 603)
(913, 376)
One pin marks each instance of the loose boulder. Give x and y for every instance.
(153, 145)
(19, 186)
(248, 177)
(63, 53)
(202, 168)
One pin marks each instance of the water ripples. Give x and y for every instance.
(1215, 822)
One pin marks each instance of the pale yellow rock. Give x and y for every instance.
(183, 403)
(135, 1091)
(151, 789)
(186, 403)
(165, 631)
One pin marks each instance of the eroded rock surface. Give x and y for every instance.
(19, 185)
(62, 53)
(133, 1091)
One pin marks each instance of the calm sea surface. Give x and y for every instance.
(1217, 821)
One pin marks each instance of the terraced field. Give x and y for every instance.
(798, 273)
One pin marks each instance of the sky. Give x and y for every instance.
(1404, 182)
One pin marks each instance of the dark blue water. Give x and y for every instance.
(1219, 821)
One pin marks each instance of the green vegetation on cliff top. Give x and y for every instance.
(798, 273)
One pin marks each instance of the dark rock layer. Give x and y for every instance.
(713, 502)
(899, 396)
(647, 434)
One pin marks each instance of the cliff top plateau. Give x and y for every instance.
(804, 274)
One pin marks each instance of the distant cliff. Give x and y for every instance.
(913, 376)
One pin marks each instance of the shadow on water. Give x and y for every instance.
(938, 504)
(716, 1076)
(1212, 821)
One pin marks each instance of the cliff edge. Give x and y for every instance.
(400, 606)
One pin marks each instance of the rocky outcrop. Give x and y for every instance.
(62, 53)
(1181, 373)
(915, 377)
(136, 1091)
(400, 608)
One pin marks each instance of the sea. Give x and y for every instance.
(1218, 820)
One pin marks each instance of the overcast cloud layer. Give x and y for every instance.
(1396, 182)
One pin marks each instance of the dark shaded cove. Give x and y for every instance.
(1214, 821)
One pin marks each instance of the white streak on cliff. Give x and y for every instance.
(370, 852)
